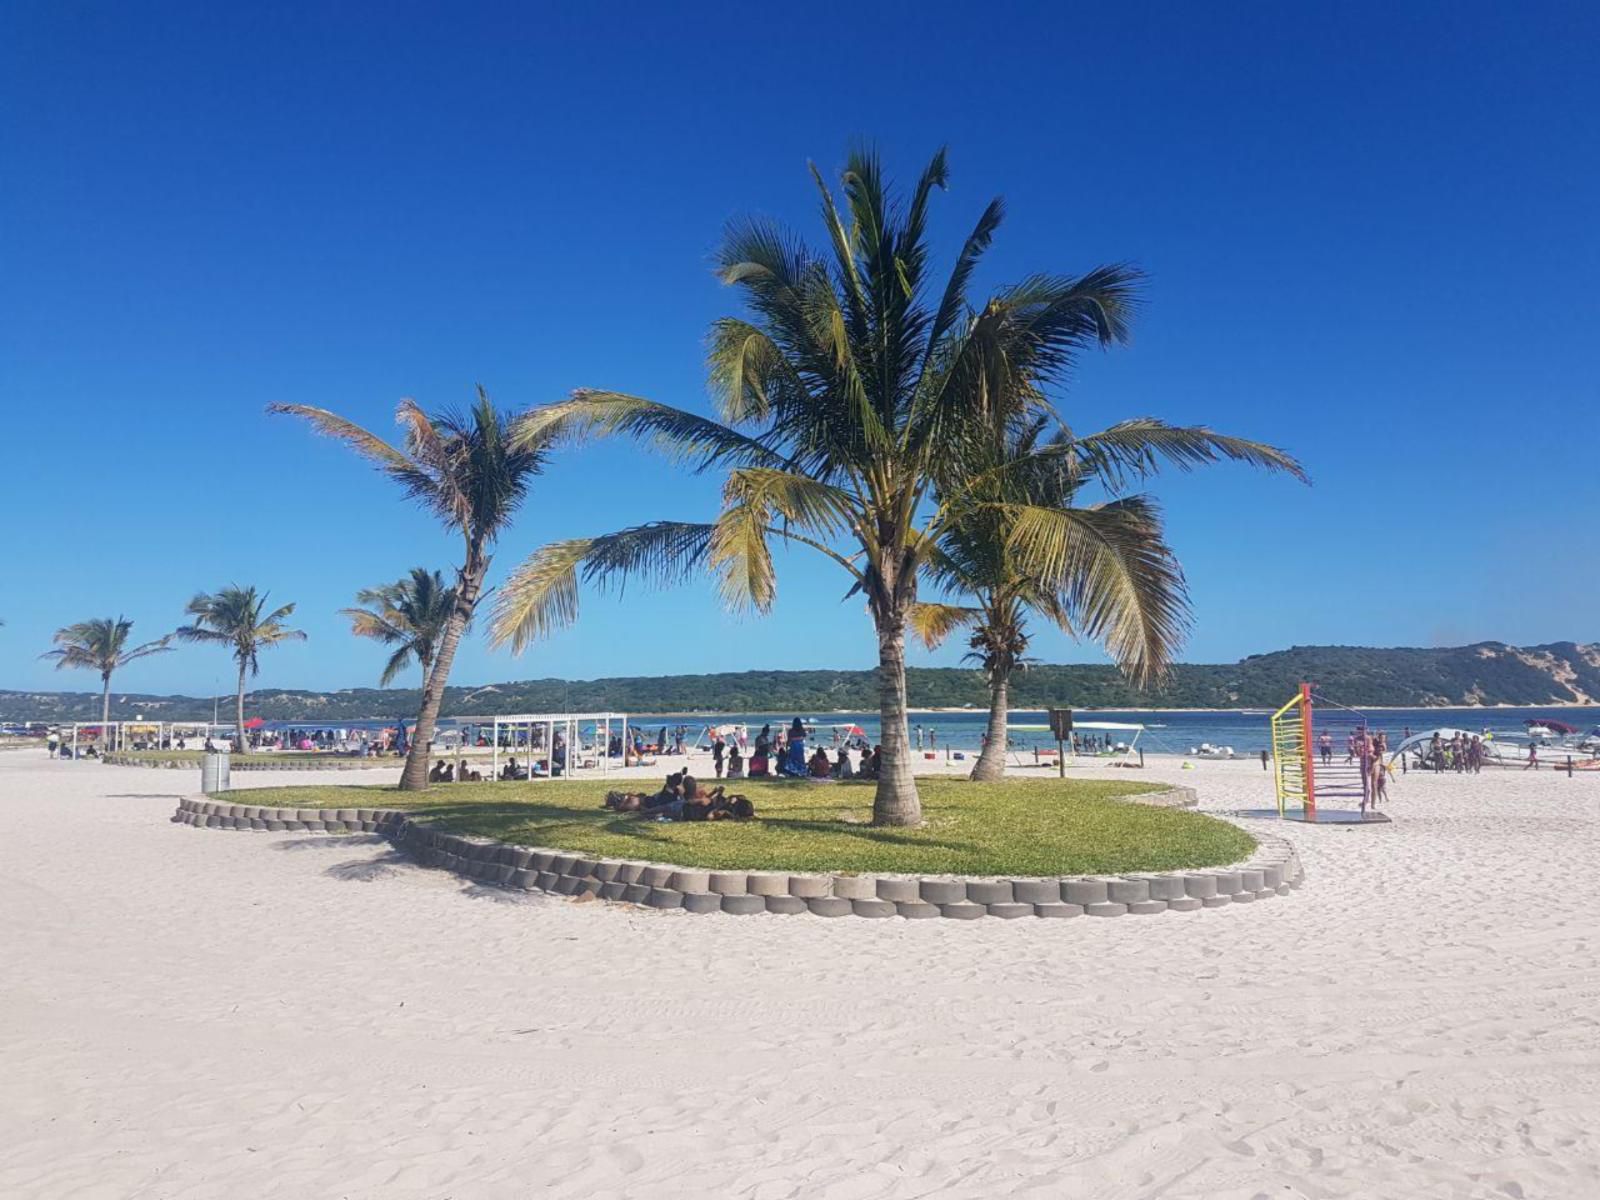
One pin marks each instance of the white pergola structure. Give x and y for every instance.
(516, 732)
(195, 729)
(1127, 752)
(119, 735)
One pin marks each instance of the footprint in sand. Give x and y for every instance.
(625, 1158)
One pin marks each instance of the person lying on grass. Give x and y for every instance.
(681, 799)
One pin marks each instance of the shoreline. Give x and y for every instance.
(1247, 710)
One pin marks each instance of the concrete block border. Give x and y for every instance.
(1273, 870)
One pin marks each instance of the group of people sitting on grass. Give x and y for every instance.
(683, 799)
(444, 772)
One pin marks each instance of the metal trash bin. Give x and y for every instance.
(214, 772)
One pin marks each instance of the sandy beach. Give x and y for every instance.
(189, 1013)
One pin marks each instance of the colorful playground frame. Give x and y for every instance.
(1307, 769)
(1294, 773)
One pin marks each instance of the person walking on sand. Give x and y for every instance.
(1325, 744)
(716, 754)
(1533, 757)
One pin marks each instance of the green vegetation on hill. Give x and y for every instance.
(1017, 827)
(1486, 673)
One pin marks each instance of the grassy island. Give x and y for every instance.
(1016, 827)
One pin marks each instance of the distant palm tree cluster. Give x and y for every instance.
(884, 420)
(409, 614)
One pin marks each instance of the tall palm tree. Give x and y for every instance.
(410, 614)
(858, 403)
(101, 645)
(471, 470)
(1125, 589)
(237, 617)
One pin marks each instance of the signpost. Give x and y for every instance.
(1061, 730)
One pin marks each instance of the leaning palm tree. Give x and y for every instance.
(101, 645)
(236, 617)
(410, 614)
(1125, 589)
(471, 470)
(854, 401)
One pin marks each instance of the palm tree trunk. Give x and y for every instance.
(415, 776)
(238, 715)
(105, 712)
(991, 764)
(896, 802)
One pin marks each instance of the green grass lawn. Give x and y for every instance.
(1019, 827)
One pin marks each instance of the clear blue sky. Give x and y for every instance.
(1373, 235)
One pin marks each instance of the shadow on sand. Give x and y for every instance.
(366, 870)
(331, 841)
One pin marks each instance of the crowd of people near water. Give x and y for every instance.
(1459, 753)
(783, 755)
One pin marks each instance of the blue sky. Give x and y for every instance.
(1370, 230)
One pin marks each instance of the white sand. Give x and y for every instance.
(190, 1013)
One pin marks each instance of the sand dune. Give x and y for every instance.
(186, 1013)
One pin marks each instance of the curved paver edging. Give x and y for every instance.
(1273, 870)
(239, 764)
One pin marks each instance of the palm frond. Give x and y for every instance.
(379, 626)
(913, 251)
(739, 553)
(198, 633)
(1114, 572)
(745, 369)
(277, 614)
(798, 499)
(953, 304)
(364, 442)
(159, 646)
(932, 623)
(422, 438)
(398, 661)
(844, 251)
(541, 595)
(682, 435)
(1138, 447)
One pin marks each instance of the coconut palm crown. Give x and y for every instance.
(237, 617)
(1124, 589)
(101, 645)
(470, 469)
(858, 402)
(410, 614)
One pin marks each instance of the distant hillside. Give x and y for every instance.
(1484, 674)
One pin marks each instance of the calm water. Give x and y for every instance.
(1168, 731)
